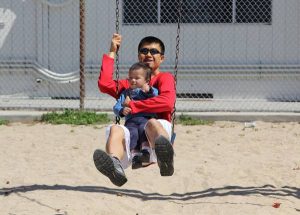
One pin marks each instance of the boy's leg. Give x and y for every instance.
(144, 144)
(159, 136)
(134, 146)
(134, 134)
(142, 134)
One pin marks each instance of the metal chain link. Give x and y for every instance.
(179, 9)
(117, 54)
(82, 53)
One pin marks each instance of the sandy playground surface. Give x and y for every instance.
(219, 169)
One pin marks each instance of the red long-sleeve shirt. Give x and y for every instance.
(162, 104)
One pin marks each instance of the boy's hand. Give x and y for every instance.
(146, 88)
(126, 111)
(115, 43)
(126, 102)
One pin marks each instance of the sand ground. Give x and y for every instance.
(222, 168)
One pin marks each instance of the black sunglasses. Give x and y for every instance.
(145, 51)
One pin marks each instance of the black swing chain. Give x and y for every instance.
(179, 10)
(117, 55)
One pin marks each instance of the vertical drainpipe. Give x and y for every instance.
(234, 11)
(158, 12)
(82, 52)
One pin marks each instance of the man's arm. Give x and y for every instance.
(106, 83)
(164, 102)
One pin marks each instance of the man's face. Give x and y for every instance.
(152, 60)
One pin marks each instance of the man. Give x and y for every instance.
(117, 156)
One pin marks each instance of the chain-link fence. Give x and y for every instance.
(235, 55)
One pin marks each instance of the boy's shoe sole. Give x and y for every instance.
(145, 158)
(136, 162)
(165, 153)
(109, 167)
(141, 161)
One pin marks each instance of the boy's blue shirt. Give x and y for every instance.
(134, 94)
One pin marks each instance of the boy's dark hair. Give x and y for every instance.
(152, 39)
(147, 70)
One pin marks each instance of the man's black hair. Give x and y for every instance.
(152, 39)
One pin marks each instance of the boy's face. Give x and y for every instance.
(137, 78)
(152, 60)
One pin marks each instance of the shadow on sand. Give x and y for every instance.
(266, 190)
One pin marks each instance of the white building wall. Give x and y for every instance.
(32, 31)
(50, 35)
(17, 30)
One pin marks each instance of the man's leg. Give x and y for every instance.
(109, 163)
(159, 139)
(154, 129)
(116, 142)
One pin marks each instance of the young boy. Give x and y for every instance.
(139, 76)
